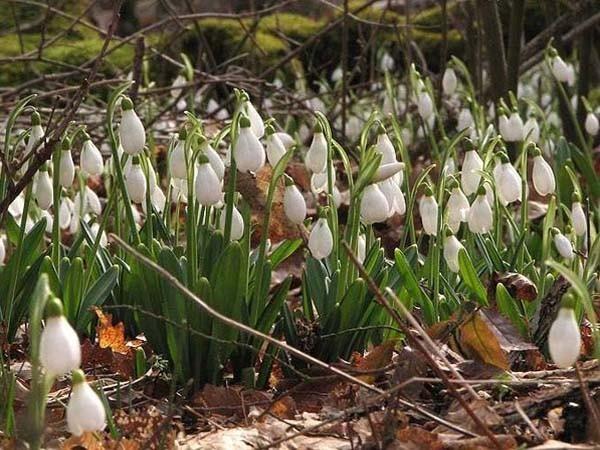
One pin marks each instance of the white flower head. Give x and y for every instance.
(564, 338)
(591, 124)
(177, 158)
(385, 147)
(428, 209)
(132, 134)
(471, 172)
(425, 105)
(320, 241)
(480, 218)
(449, 81)
(451, 248)
(207, 185)
(294, 205)
(508, 181)
(274, 148)
(563, 244)
(578, 217)
(560, 70)
(136, 182)
(542, 175)
(248, 152)
(374, 206)
(316, 156)
(66, 168)
(85, 410)
(60, 351)
(90, 159)
(43, 191)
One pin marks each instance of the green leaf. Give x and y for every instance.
(507, 305)
(470, 277)
(96, 296)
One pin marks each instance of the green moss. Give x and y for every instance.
(294, 26)
(431, 18)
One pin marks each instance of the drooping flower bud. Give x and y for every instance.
(428, 209)
(213, 157)
(294, 205)
(275, 148)
(564, 338)
(425, 105)
(374, 206)
(385, 147)
(316, 156)
(248, 152)
(66, 170)
(562, 243)
(451, 248)
(471, 172)
(37, 132)
(131, 130)
(458, 207)
(237, 222)
(257, 124)
(449, 81)
(508, 181)
(531, 130)
(542, 175)
(394, 196)
(85, 410)
(591, 124)
(320, 241)
(578, 216)
(43, 189)
(60, 351)
(177, 158)
(91, 159)
(136, 182)
(480, 217)
(560, 70)
(207, 186)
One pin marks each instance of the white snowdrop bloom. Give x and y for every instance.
(337, 197)
(90, 159)
(560, 70)
(131, 130)
(564, 338)
(320, 241)
(256, 123)
(213, 158)
(428, 209)
(471, 172)
(578, 216)
(214, 109)
(49, 220)
(36, 134)
(465, 120)
(294, 205)
(65, 213)
(337, 75)
(406, 135)
(179, 190)
(361, 248)
(390, 170)
(542, 175)
(591, 124)
(43, 191)
(60, 351)
(66, 168)
(425, 105)
(387, 63)
(274, 148)
(480, 217)
(158, 200)
(287, 140)
(512, 130)
(508, 181)
(85, 410)
(248, 152)
(16, 207)
(177, 85)
(177, 158)
(91, 202)
(451, 248)
(457, 206)
(374, 206)
(237, 223)
(563, 244)
(136, 182)
(531, 130)
(208, 186)
(449, 81)
(570, 75)
(394, 196)
(354, 128)
(316, 156)
(95, 228)
(385, 147)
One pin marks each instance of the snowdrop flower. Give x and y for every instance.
(451, 248)
(385, 147)
(470, 174)
(16, 207)
(562, 244)
(457, 206)
(248, 152)
(428, 209)
(136, 182)
(237, 222)
(90, 202)
(511, 129)
(337, 75)
(179, 190)
(294, 205)
(571, 76)
(542, 175)
(37, 132)
(391, 170)
(578, 216)
(508, 181)
(320, 241)
(275, 148)
(361, 248)
(465, 120)
(394, 196)
(85, 410)
(43, 189)
(65, 213)
(318, 182)
(480, 217)
(177, 158)
(177, 85)
(316, 156)
(591, 124)
(387, 63)
(131, 130)
(425, 105)
(256, 123)
(95, 228)
(207, 186)
(213, 158)
(449, 81)
(531, 130)
(66, 170)
(564, 338)
(374, 206)
(90, 159)
(214, 109)
(560, 70)
(285, 139)
(60, 351)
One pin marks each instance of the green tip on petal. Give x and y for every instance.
(126, 104)
(318, 127)
(288, 180)
(54, 308)
(36, 119)
(203, 159)
(481, 190)
(182, 134)
(469, 144)
(244, 122)
(77, 376)
(568, 300)
(65, 144)
(135, 160)
(576, 197)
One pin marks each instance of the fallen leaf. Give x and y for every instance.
(477, 340)
(87, 440)
(146, 428)
(228, 401)
(284, 408)
(109, 335)
(517, 285)
(377, 358)
(482, 410)
(413, 438)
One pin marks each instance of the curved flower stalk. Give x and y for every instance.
(564, 338)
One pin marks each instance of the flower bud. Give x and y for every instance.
(428, 209)
(214, 159)
(316, 156)
(136, 182)
(66, 169)
(237, 222)
(578, 216)
(177, 158)
(275, 148)
(425, 105)
(531, 130)
(90, 159)
(394, 196)
(560, 70)
(60, 351)
(470, 174)
(480, 218)
(294, 205)
(374, 206)
(562, 244)
(458, 208)
(385, 147)
(320, 241)
(207, 186)
(451, 248)
(564, 338)
(256, 123)
(85, 410)
(449, 81)
(591, 124)
(131, 130)
(508, 181)
(386, 171)
(465, 120)
(248, 152)
(542, 175)
(43, 189)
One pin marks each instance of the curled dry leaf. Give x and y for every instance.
(109, 335)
